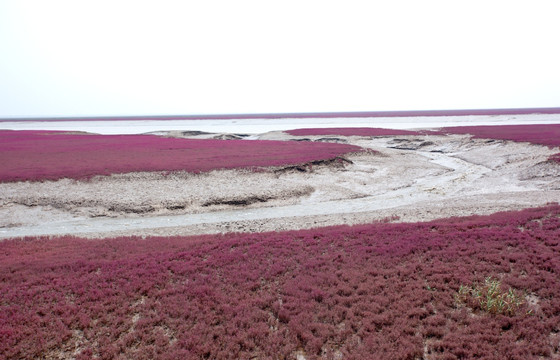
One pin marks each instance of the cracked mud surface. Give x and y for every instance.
(404, 178)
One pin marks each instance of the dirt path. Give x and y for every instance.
(407, 178)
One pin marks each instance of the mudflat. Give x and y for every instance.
(396, 178)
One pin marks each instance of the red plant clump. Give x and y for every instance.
(40, 155)
(379, 291)
(351, 132)
(555, 158)
(541, 134)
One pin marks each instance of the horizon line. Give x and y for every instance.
(303, 115)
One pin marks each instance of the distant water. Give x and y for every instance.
(262, 125)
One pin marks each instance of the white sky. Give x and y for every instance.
(117, 57)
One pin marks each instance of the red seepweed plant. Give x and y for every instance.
(42, 155)
(541, 134)
(354, 292)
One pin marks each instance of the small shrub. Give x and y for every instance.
(489, 297)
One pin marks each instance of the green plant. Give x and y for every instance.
(489, 297)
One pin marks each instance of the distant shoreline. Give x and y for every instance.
(307, 115)
(255, 126)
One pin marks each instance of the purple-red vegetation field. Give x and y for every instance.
(351, 132)
(541, 134)
(477, 287)
(41, 155)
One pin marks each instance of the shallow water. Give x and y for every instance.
(257, 126)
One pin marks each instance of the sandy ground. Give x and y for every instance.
(405, 178)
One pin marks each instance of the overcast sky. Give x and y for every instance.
(117, 57)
